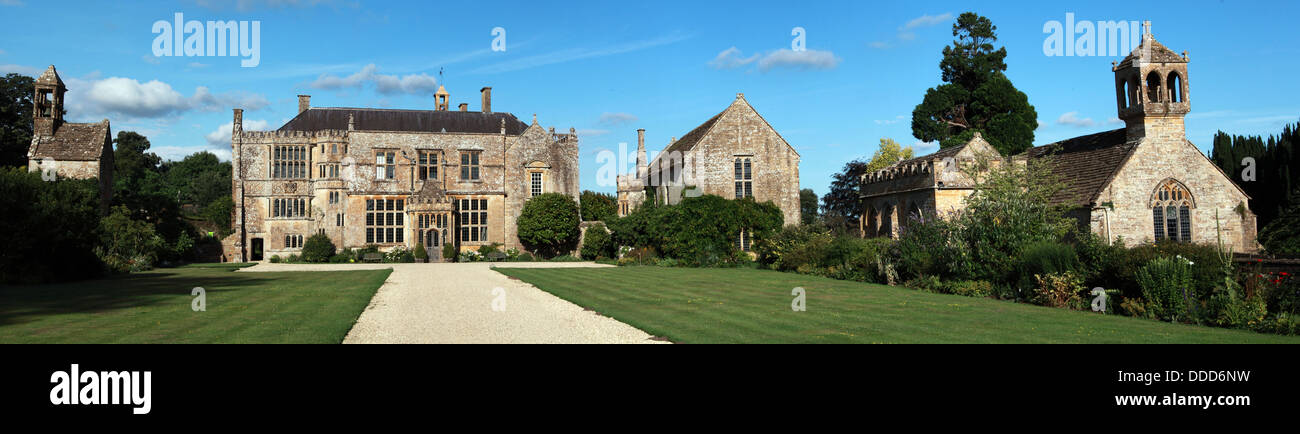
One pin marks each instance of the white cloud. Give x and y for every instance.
(589, 133)
(906, 32)
(922, 148)
(151, 59)
(96, 99)
(616, 119)
(220, 137)
(895, 120)
(732, 58)
(1072, 119)
(386, 84)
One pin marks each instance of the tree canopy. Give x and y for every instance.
(976, 96)
(15, 119)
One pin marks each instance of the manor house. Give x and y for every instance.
(392, 178)
(1144, 182)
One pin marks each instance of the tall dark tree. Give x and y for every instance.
(976, 96)
(842, 206)
(807, 206)
(1271, 160)
(15, 119)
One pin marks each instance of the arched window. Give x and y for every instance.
(1125, 100)
(1175, 89)
(1153, 87)
(873, 223)
(1171, 211)
(887, 221)
(1133, 91)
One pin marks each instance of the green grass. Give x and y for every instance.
(690, 305)
(154, 307)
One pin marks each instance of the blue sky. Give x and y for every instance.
(608, 68)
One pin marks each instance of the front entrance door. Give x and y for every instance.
(434, 246)
(256, 249)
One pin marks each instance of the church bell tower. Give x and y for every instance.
(1151, 90)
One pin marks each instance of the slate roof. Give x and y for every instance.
(688, 141)
(1158, 53)
(72, 142)
(1086, 164)
(368, 119)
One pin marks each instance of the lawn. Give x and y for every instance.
(155, 307)
(695, 305)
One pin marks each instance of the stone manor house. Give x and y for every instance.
(735, 154)
(392, 178)
(1144, 182)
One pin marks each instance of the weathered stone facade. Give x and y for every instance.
(734, 154)
(69, 150)
(1142, 183)
(393, 178)
(935, 184)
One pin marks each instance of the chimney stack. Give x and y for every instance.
(304, 103)
(464, 107)
(487, 99)
(640, 153)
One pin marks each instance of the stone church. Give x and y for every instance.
(66, 149)
(1144, 182)
(735, 154)
(392, 178)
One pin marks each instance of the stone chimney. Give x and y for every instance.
(304, 103)
(237, 125)
(464, 107)
(487, 99)
(640, 153)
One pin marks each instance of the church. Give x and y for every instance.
(735, 154)
(392, 178)
(68, 149)
(1142, 183)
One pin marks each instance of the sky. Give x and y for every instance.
(851, 77)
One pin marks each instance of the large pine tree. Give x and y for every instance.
(976, 96)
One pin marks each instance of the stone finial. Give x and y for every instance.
(740, 95)
(1146, 29)
(351, 122)
(534, 118)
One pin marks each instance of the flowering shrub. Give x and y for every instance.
(1167, 286)
(1059, 290)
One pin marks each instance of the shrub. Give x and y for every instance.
(50, 229)
(597, 206)
(449, 252)
(548, 224)
(1045, 258)
(524, 257)
(399, 254)
(317, 248)
(276, 259)
(127, 245)
(969, 288)
(932, 247)
(1058, 289)
(420, 253)
(340, 259)
(1206, 266)
(676, 231)
(1011, 208)
(925, 283)
(597, 243)
(1167, 288)
(566, 258)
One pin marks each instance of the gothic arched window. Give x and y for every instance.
(1171, 211)
(1175, 87)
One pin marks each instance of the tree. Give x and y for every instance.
(1282, 235)
(888, 154)
(548, 224)
(127, 244)
(976, 96)
(807, 206)
(597, 206)
(842, 205)
(15, 119)
(597, 243)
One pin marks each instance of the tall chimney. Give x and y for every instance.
(464, 107)
(304, 103)
(640, 154)
(487, 99)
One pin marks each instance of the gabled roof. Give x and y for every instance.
(1086, 164)
(1155, 53)
(50, 77)
(692, 138)
(432, 121)
(72, 142)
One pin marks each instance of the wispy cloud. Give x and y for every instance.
(384, 84)
(1072, 119)
(732, 58)
(907, 31)
(572, 54)
(617, 119)
(19, 69)
(895, 120)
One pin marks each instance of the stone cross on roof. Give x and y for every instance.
(1146, 29)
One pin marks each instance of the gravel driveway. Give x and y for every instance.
(470, 303)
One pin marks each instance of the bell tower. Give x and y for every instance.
(47, 103)
(1151, 90)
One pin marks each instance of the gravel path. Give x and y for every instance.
(470, 303)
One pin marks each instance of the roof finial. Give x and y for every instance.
(1146, 29)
